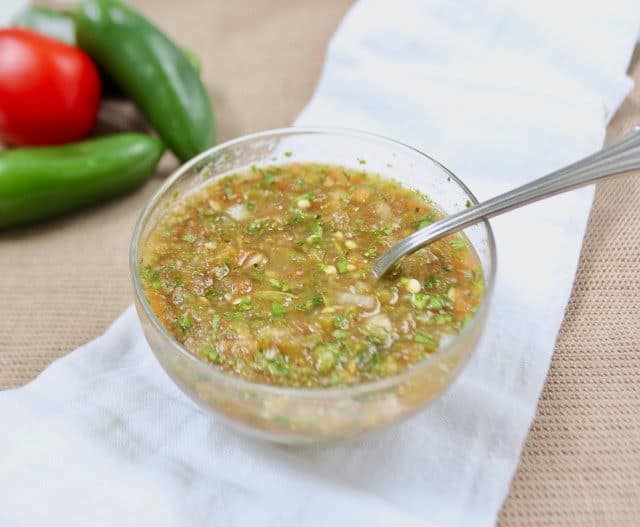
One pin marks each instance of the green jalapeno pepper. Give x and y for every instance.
(39, 183)
(151, 70)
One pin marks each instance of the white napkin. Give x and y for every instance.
(500, 92)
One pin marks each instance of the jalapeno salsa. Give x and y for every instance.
(267, 275)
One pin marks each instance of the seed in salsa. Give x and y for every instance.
(267, 274)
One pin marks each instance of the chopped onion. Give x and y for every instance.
(379, 324)
(238, 212)
(366, 301)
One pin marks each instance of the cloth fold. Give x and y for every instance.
(499, 93)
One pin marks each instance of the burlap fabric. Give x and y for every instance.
(62, 283)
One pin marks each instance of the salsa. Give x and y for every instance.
(267, 275)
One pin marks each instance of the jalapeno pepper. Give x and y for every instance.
(38, 183)
(152, 70)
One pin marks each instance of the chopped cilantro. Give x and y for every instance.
(429, 301)
(381, 233)
(294, 220)
(424, 338)
(423, 221)
(317, 300)
(228, 191)
(184, 322)
(326, 356)
(277, 310)
(459, 244)
(270, 176)
(210, 352)
(341, 266)
(188, 238)
(288, 154)
(244, 304)
(215, 322)
(257, 226)
(419, 300)
(210, 293)
(430, 282)
(443, 318)
(278, 284)
(340, 321)
(371, 252)
(436, 302)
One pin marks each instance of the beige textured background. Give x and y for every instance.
(64, 282)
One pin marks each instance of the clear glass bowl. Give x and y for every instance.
(294, 415)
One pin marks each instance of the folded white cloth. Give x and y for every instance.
(500, 92)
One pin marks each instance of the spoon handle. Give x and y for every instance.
(619, 158)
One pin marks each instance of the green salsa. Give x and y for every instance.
(267, 275)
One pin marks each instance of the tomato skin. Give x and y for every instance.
(49, 91)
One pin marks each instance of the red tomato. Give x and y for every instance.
(49, 91)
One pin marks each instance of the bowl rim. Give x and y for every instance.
(339, 391)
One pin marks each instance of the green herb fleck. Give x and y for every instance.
(277, 310)
(443, 318)
(424, 338)
(341, 266)
(340, 334)
(458, 243)
(326, 356)
(294, 220)
(430, 282)
(256, 226)
(184, 322)
(371, 252)
(270, 176)
(288, 154)
(228, 191)
(210, 353)
(436, 302)
(188, 238)
(419, 300)
(317, 300)
(278, 284)
(340, 321)
(423, 221)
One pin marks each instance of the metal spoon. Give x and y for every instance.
(614, 160)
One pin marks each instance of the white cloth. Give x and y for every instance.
(500, 92)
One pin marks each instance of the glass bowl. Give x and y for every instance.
(297, 415)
